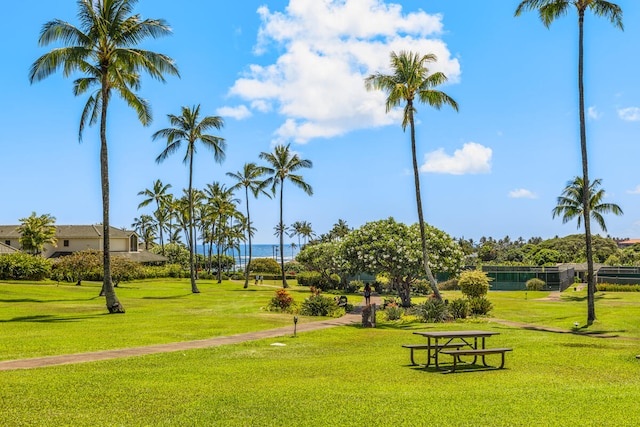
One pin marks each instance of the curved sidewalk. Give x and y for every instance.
(66, 359)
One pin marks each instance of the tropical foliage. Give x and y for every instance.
(104, 50)
(570, 203)
(411, 82)
(387, 246)
(548, 11)
(189, 129)
(37, 231)
(282, 165)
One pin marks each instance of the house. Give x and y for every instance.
(6, 249)
(627, 243)
(74, 238)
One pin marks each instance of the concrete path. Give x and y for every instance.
(66, 359)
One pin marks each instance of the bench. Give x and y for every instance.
(414, 347)
(475, 353)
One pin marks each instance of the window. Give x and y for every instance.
(65, 243)
(133, 243)
(7, 242)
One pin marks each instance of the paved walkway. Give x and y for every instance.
(66, 359)
(347, 319)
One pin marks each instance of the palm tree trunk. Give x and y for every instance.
(113, 304)
(591, 279)
(192, 273)
(416, 177)
(160, 226)
(284, 279)
(247, 267)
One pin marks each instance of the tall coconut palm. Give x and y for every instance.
(223, 208)
(411, 82)
(548, 11)
(144, 226)
(296, 230)
(249, 178)
(103, 49)
(306, 231)
(189, 129)
(570, 203)
(283, 163)
(157, 194)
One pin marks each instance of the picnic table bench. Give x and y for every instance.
(456, 344)
(475, 352)
(414, 347)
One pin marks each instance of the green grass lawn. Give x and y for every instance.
(347, 376)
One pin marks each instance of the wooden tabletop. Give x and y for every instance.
(456, 334)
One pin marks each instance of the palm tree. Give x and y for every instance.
(296, 230)
(189, 129)
(411, 80)
(103, 49)
(548, 11)
(158, 194)
(144, 226)
(37, 231)
(570, 203)
(340, 230)
(283, 164)
(249, 178)
(306, 231)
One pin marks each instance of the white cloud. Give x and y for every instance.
(328, 48)
(631, 114)
(521, 193)
(593, 113)
(635, 190)
(240, 112)
(473, 158)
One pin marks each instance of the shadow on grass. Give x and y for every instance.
(445, 368)
(576, 298)
(169, 297)
(23, 300)
(47, 318)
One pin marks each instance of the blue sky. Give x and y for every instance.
(291, 71)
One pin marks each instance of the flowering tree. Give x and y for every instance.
(387, 246)
(325, 258)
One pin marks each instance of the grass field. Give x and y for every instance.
(347, 376)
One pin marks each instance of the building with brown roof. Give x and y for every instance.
(74, 238)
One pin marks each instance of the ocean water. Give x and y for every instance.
(258, 251)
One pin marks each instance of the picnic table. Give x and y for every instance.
(456, 344)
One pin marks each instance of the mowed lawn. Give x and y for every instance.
(347, 376)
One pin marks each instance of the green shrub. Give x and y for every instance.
(265, 265)
(479, 306)
(393, 312)
(421, 287)
(21, 266)
(315, 279)
(352, 287)
(318, 305)
(293, 267)
(535, 284)
(614, 287)
(449, 285)
(309, 278)
(124, 270)
(81, 265)
(357, 284)
(459, 308)
(281, 302)
(474, 283)
(387, 301)
(432, 311)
